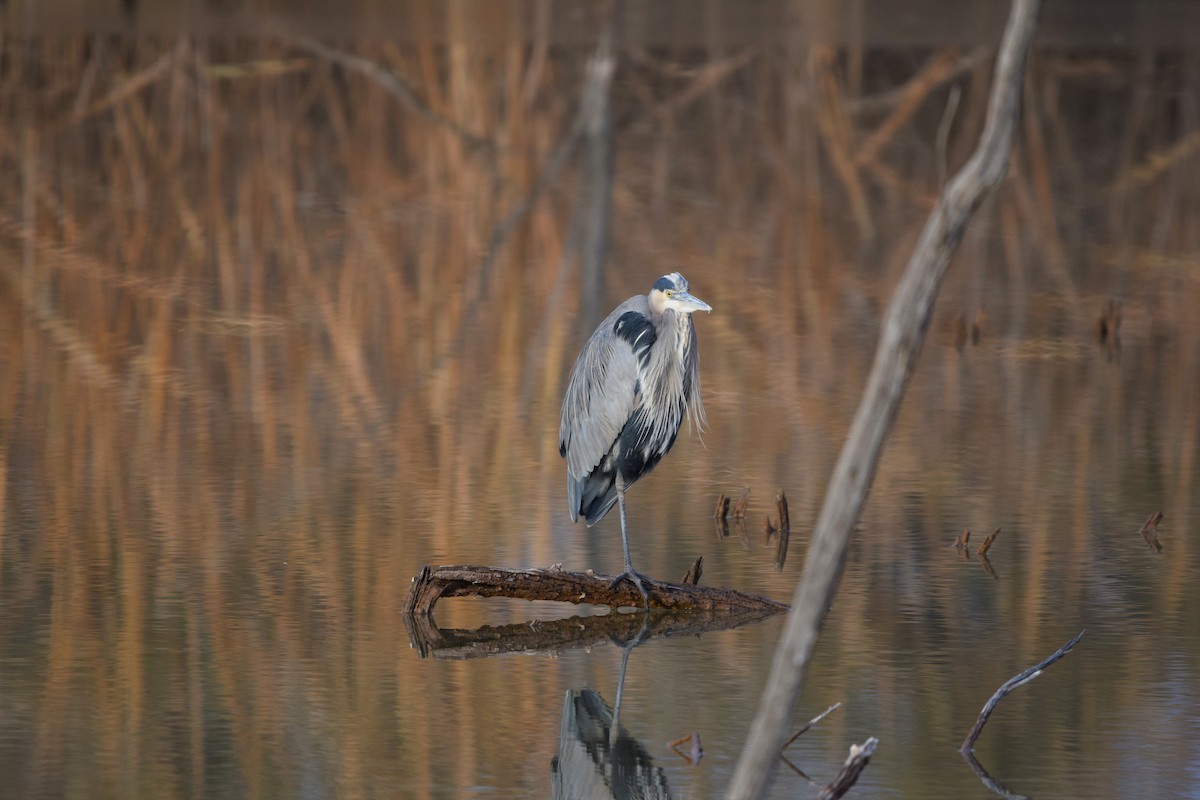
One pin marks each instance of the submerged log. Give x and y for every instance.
(434, 583)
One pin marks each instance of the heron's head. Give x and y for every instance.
(671, 292)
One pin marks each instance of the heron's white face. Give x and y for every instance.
(671, 292)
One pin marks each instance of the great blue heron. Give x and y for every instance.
(633, 383)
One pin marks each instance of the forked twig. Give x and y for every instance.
(1149, 531)
(1012, 683)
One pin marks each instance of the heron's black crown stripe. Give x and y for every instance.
(664, 283)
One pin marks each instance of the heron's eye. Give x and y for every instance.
(669, 292)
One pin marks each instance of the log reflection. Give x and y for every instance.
(554, 636)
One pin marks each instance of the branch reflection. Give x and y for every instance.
(994, 786)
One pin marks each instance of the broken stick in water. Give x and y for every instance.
(722, 508)
(739, 510)
(695, 750)
(1149, 531)
(987, 543)
(855, 764)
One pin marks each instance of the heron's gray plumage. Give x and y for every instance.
(636, 379)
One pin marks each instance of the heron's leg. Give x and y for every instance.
(629, 574)
(625, 651)
(624, 524)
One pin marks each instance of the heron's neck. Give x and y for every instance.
(677, 326)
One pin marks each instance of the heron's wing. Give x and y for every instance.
(604, 388)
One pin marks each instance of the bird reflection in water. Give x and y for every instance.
(597, 758)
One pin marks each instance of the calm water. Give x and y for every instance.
(253, 377)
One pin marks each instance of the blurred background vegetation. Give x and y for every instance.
(279, 324)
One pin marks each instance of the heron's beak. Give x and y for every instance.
(688, 304)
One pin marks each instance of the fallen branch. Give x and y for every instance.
(855, 764)
(553, 637)
(901, 335)
(434, 583)
(1010, 684)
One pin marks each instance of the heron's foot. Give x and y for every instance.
(637, 580)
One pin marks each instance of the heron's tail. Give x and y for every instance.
(592, 497)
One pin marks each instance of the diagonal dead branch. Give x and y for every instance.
(806, 727)
(903, 332)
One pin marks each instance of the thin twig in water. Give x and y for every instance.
(808, 725)
(785, 518)
(739, 510)
(1012, 683)
(695, 750)
(987, 543)
(722, 508)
